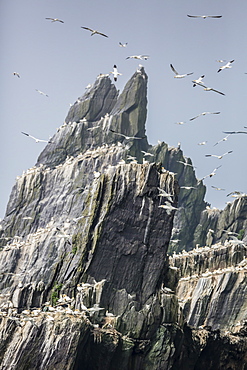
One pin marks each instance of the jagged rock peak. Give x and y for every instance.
(93, 116)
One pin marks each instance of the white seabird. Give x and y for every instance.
(16, 74)
(37, 140)
(123, 45)
(203, 114)
(94, 32)
(227, 65)
(177, 75)
(146, 154)
(224, 139)
(55, 20)
(218, 156)
(198, 81)
(127, 137)
(209, 88)
(204, 16)
(185, 163)
(202, 143)
(115, 72)
(235, 132)
(188, 187)
(141, 57)
(215, 187)
(41, 93)
(213, 173)
(168, 207)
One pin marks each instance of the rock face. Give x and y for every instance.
(85, 279)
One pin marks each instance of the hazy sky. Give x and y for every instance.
(61, 59)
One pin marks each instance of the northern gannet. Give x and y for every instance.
(179, 123)
(235, 132)
(168, 207)
(94, 32)
(202, 143)
(227, 65)
(41, 92)
(218, 156)
(141, 57)
(177, 75)
(146, 154)
(209, 88)
(215, 187)
(204, 16)
(198, 81)
(127, 137)
(188, 187)
(37, 140)
(224, 139)
(16, 74)
(115, 72)
(203, 114)
(55, 20)
(213, 173)
(185, 163)
(123, 45)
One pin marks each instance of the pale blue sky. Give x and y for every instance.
(62, 59)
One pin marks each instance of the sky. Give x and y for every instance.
(61, 59)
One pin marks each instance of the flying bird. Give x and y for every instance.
(127, 137)
(202, 143)
(234, 132)
(168, 207)
(42, 93)
(115, 72)
(55, 20)
(213, 173)
(218, 156)
(185, 163)
(177, 75)
(188, 187)
(37, 140)
(16, 74)
(198, 81)
(215, 187)
(204, 16)
(94, 32)
(146, 154)
(123, 45)
(221, 60)
(209, 88)
(227, 65)
(179, 123)
(141, 57)
(224, 139)
(203, 114)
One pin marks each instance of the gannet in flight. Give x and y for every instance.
(198, 81)
(146, 154)
(235, 132)
(168, 207)
(188, 187)
(141, 57)
(227, 65)
(202, 143)
(215, 187)
(163, 193)
(94, 32)
(115, 72)
(127, 137)
(177, 75)
(42, 93)
(185, 163)
(37, 140)
(55, 20)
(218, 156)
(123, 45)
(224, 139)
(179, 123)
(16, 74)
(204, 16)
(212, 173)
(203, 114)
(209, 88)
(221, 60)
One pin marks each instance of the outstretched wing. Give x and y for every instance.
(173, 69)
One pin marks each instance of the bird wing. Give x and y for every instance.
(214, 16)
(32, 137)
(193, 16)
(195, 117)
(235, 132)
(102, 34)
(219, 92)
(173, 69)
(89, 29)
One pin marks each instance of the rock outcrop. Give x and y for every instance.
(85, 278)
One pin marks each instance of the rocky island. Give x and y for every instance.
(111, 259)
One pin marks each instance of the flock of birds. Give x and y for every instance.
(196, 82)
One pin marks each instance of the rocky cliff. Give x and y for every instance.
(85, 278)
